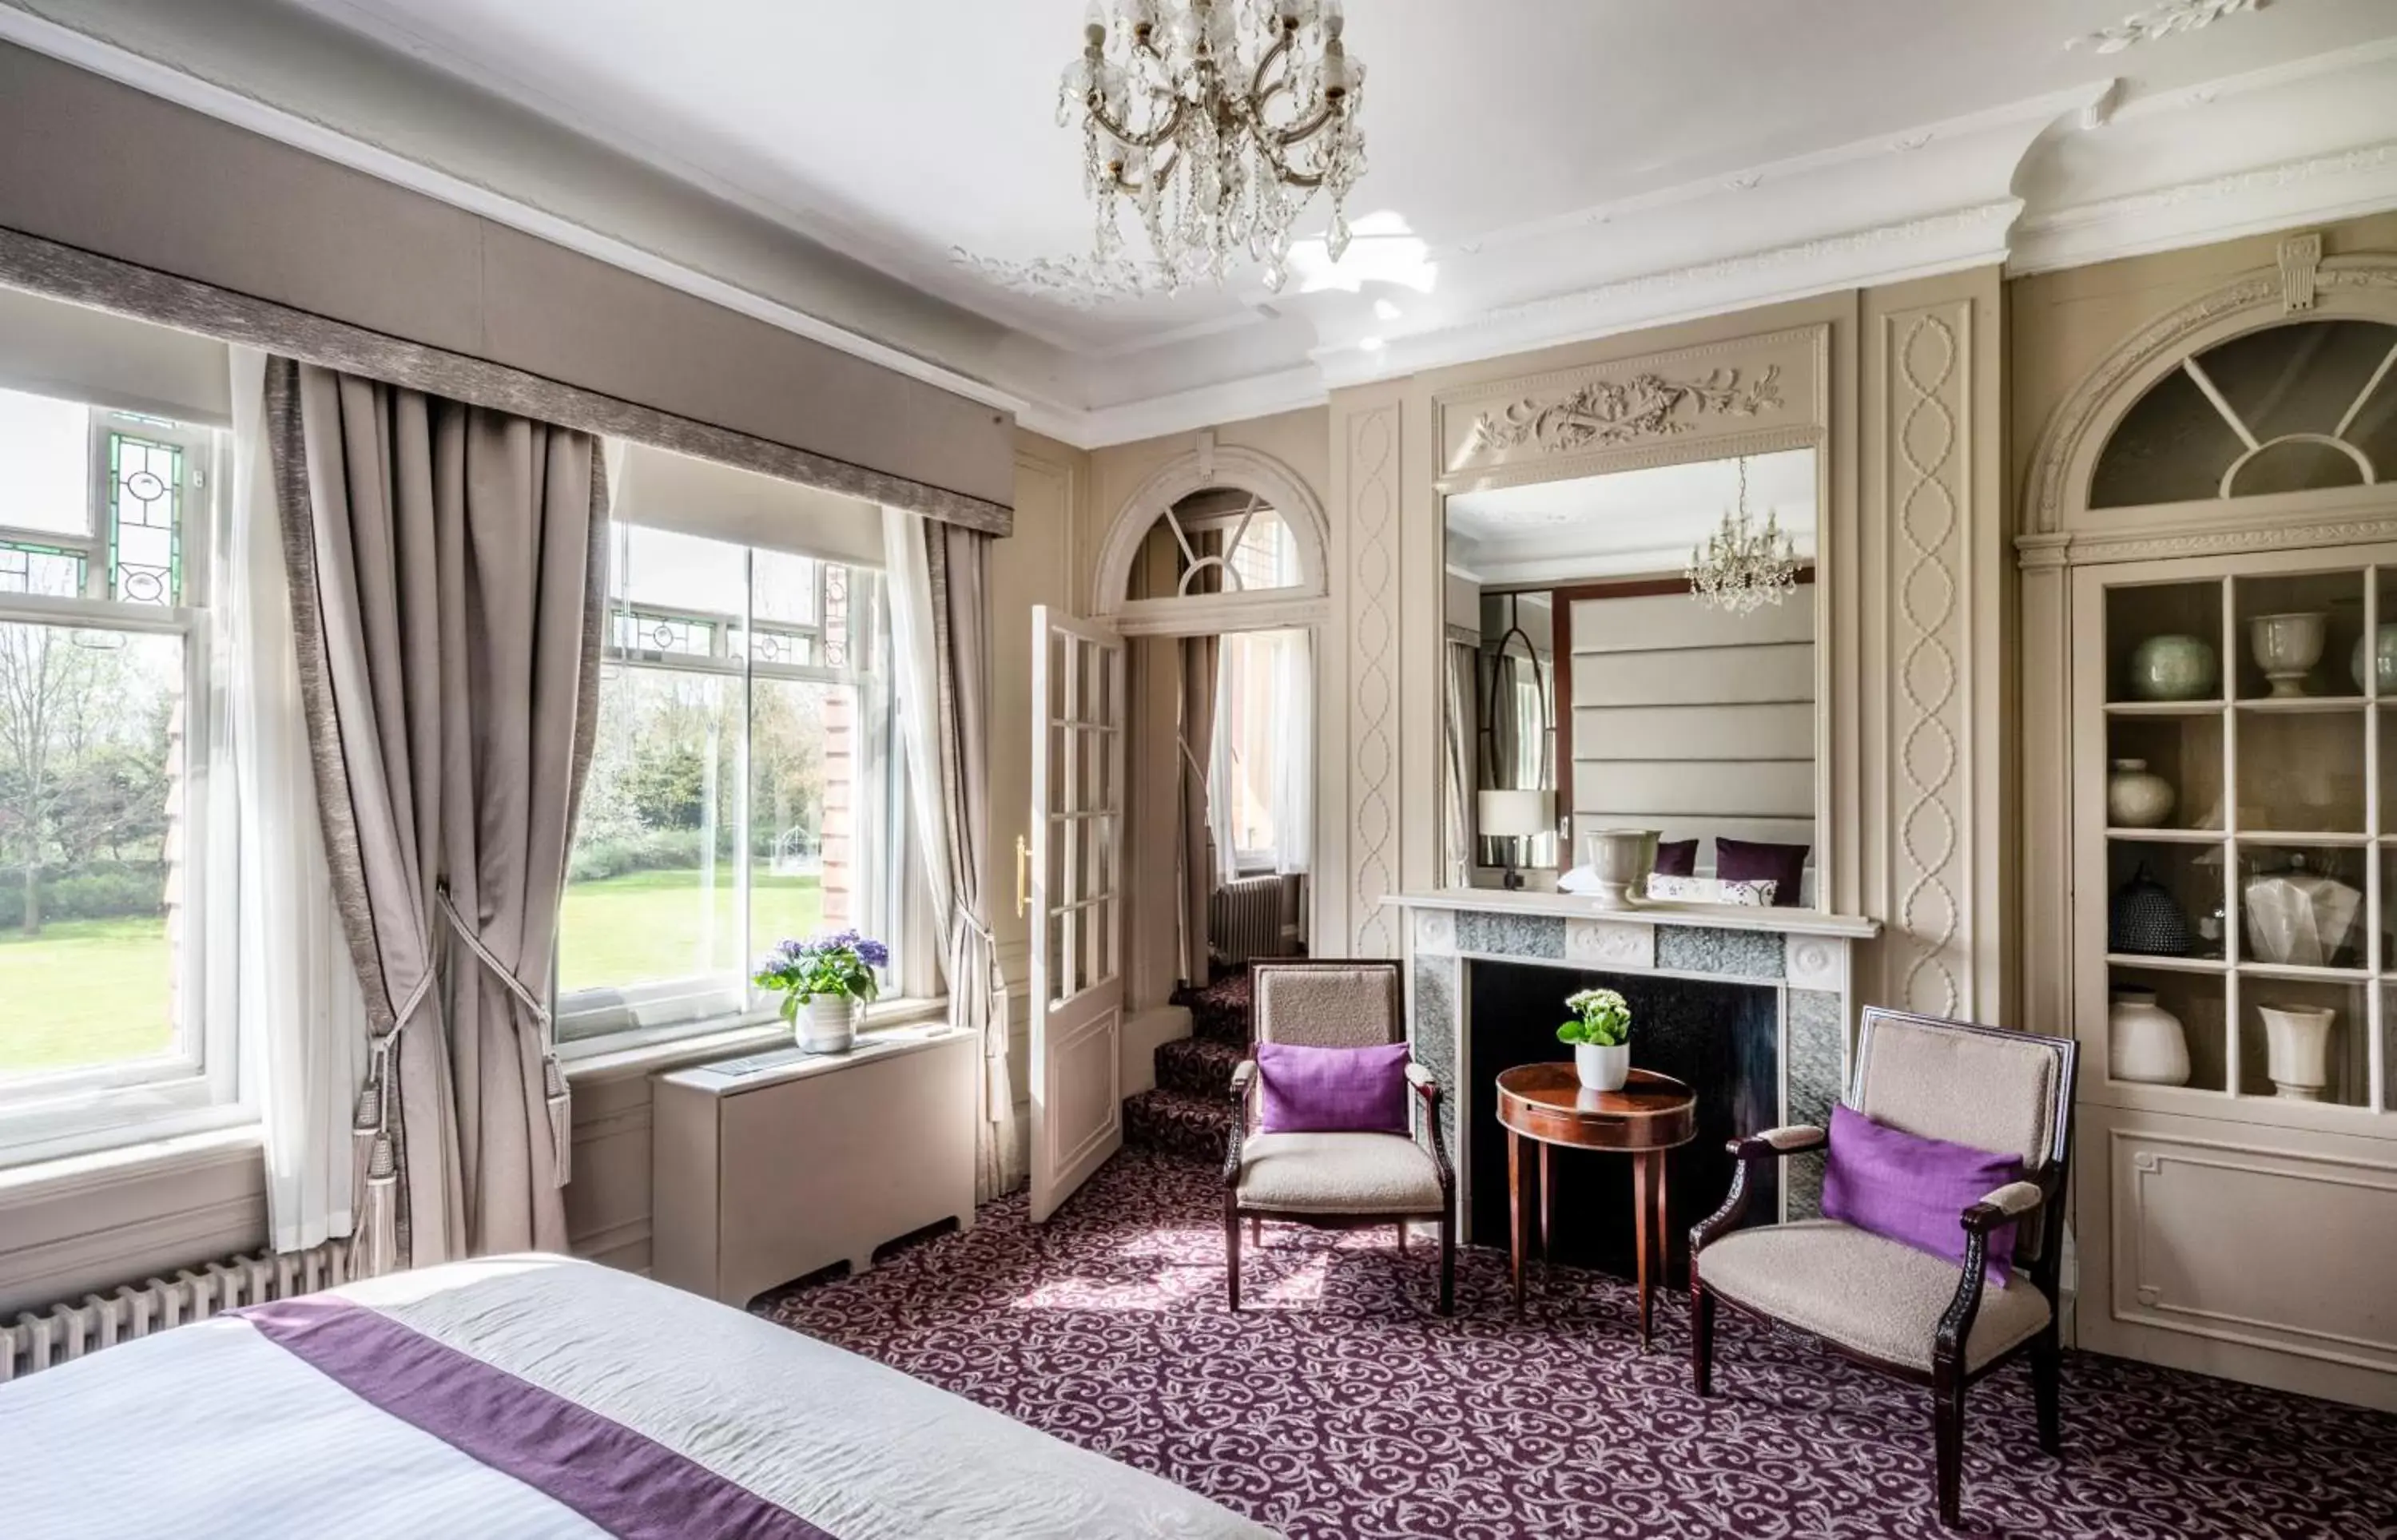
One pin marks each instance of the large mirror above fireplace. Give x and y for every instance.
(1591, 688)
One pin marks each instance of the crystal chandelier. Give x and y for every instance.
(1742, 568)
(1216, 121)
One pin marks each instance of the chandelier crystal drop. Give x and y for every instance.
(1214, 122)
(1741, 567)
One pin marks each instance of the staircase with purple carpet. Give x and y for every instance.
(1189, 1114)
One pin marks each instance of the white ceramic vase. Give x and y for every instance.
(2287, 648)
(1600, 1068)
(1621, 860)
(827, 1024)
(2296, 1042)
(2136, 797)
(2144, 1040)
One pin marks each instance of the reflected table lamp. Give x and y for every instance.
(1515, 815)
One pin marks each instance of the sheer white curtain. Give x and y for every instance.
(1293, 751)
(1222, 793)
(282, 966)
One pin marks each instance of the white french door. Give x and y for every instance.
(1077, 837)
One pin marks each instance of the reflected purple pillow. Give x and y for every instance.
(1914, 1190)
(1677, 858)
(1332, 1090)
(1761, 861)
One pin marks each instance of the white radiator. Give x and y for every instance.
(1246, 919)
(67, 1330)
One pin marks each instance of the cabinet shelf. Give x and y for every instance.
(2168, 964)
(2170, 836)
(2300, 705)
(2163, 708)
(2297, 971)
(2315, 837)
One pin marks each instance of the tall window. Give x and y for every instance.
(743, 787)
(103, 658)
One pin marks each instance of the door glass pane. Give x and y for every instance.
(92, 803)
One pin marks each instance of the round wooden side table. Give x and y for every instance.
(1545, 1103)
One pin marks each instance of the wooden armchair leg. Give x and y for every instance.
(1447, 1264)
(1948, 1427)
(1232, 1252)
(1401, 1228)
(2046, 1375)
(1257, 1231)
(1702, 1336)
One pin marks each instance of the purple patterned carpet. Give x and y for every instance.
(1337, 1405)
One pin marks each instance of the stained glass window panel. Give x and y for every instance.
(27, 567)
(145, 482)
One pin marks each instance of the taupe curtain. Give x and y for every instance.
(1197, 736)
(956, 563)
(448, 587)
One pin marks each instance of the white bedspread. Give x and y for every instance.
(214, 1429)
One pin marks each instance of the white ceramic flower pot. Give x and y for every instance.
(2144, 1040)
(2297, 1042)
(827, 1024)
(1600, 1068)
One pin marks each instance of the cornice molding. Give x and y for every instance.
(2315, 190)
(2159, 21)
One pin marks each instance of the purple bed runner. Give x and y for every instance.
(624, 1481)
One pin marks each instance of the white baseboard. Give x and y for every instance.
(1143, 1032)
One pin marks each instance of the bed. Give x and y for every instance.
(538, 1397)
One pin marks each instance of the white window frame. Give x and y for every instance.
(195, 1085)
(591, 1023)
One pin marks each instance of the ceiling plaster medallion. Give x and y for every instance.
(1603, 413)
(2159, 21)
(1082, 283)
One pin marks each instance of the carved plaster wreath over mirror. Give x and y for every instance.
(2160, 21)
(1605, 413)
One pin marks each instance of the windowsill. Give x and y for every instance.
(65, 1175)
(599, 1065)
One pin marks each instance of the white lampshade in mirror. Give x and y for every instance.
(1509, 815)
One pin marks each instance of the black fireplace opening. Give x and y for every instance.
(1722, 1039)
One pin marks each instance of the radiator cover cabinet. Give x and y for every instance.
(773, 1166)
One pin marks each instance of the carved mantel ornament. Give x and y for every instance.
(1603, 413)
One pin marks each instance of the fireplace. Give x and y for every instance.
(1750, 1006)
(1721, 1038)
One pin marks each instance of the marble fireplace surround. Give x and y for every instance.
(1803, 956)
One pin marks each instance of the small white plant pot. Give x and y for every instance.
(827, 1024)
(1600, 1068)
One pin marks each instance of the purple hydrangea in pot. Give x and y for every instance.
(823, 981)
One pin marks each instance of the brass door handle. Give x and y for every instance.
(1023, 876)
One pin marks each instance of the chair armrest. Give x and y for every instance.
(1774, 1143)
(2008, 1203)
(1424, 1082)
(1244, 1074)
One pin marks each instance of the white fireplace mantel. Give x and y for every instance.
(1803, 956)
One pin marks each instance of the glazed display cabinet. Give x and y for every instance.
(2209, 807)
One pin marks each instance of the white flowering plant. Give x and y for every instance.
(1600, 1017)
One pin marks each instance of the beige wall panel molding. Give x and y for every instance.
(1368, 467)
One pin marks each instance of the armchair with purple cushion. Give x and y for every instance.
(1899, 1305)
(1336, 1179)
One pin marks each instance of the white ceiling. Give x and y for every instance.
(1629, 523)
(1541, 169)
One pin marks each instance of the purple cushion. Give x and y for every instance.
(1913, 1190)
(1759, 862)
(1332, 1090)
(1677, 858)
